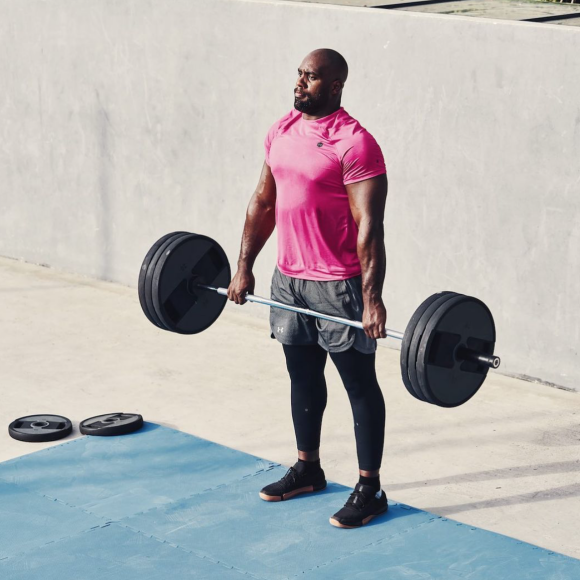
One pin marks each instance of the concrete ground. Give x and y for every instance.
(506, 461)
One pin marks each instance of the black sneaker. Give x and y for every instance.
(298, 479)
(361, 507)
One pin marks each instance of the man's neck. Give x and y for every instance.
(321, 114)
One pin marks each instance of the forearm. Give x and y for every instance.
(372, 257)
(258, 227)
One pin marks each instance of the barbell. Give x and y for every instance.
(446, 349)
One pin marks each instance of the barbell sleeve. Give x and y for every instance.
(481, 358)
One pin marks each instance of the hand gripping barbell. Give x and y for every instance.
(446, 350)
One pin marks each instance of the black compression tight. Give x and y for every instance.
(306, 369)
(357, 370)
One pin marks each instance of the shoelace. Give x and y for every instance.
(291, 475)
(351, 501)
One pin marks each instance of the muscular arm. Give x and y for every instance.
(258, 227)
(367, 203)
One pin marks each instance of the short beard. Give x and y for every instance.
(309, 105)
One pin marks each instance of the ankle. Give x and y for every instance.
(374, 482)
(309, 456)
(314, 464)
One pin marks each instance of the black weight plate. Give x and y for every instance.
(111, 424)
(461, 321)
(149, 276)
(40, 428)
(416, 341)
(406, 342)
(143, 274)
(190, 260)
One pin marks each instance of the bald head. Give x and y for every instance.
(331, 62)
(321, 77)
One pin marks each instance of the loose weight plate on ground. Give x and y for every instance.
(40, 428)
(143, 274)
(406, 343)
(418, 334)
(111, 424)
(460, 330)
(187, 261)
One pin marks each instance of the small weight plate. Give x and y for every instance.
(149, 276)
(143, 274)
(40, 428)
(416, 340)
(111, 424)
(406, 342)
(187, 261)
(462, 321)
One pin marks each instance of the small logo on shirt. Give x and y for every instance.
(319, 144)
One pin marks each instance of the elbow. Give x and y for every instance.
(371, 230)
(265, 207)
(260, 207)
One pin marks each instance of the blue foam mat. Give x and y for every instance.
(160, 503)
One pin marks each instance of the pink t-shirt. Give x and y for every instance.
(312, 161)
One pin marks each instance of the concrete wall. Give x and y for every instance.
(121, 120)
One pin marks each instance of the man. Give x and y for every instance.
(324, 186)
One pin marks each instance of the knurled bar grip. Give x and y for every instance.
(463, 354)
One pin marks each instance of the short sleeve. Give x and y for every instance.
(269, 138)
(363, 159)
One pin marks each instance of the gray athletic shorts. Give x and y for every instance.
(336, 297)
